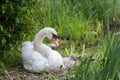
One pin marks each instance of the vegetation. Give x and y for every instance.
(86, 25)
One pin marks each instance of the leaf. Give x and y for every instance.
(11, 6)
(53, 77)
(1, 28)
(119, 75)
(3, 42)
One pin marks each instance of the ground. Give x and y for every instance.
(19, 73)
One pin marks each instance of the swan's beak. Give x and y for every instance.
(55, 41)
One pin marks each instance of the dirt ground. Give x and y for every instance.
(19, 73)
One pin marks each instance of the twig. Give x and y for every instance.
(8, 75)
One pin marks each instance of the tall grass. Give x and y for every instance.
(106, 67)
(79, 18)
(111, 66)
(67, 17)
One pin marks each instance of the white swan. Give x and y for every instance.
(38, 57)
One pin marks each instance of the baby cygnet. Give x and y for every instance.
(70, 61)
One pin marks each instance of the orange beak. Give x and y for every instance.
(55, 41)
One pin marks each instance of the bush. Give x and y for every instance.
(15, 24)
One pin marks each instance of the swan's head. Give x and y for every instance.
(51, 34)
(73, 57)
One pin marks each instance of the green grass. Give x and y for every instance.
(106, 64)
(79, 22)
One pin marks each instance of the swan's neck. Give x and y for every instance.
(38, 41)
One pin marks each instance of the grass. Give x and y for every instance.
(81, 23)
(106, 64)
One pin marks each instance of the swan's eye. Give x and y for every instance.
(54, 36)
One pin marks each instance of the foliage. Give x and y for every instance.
(14, 25)
(108, 67)
(111, 66)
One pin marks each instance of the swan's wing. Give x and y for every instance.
(32, 60)
(28, 52)
(55, 60)
(27, 49)
(27, 44)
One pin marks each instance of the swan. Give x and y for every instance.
(39, 57)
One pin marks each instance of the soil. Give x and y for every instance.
(19, 73)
